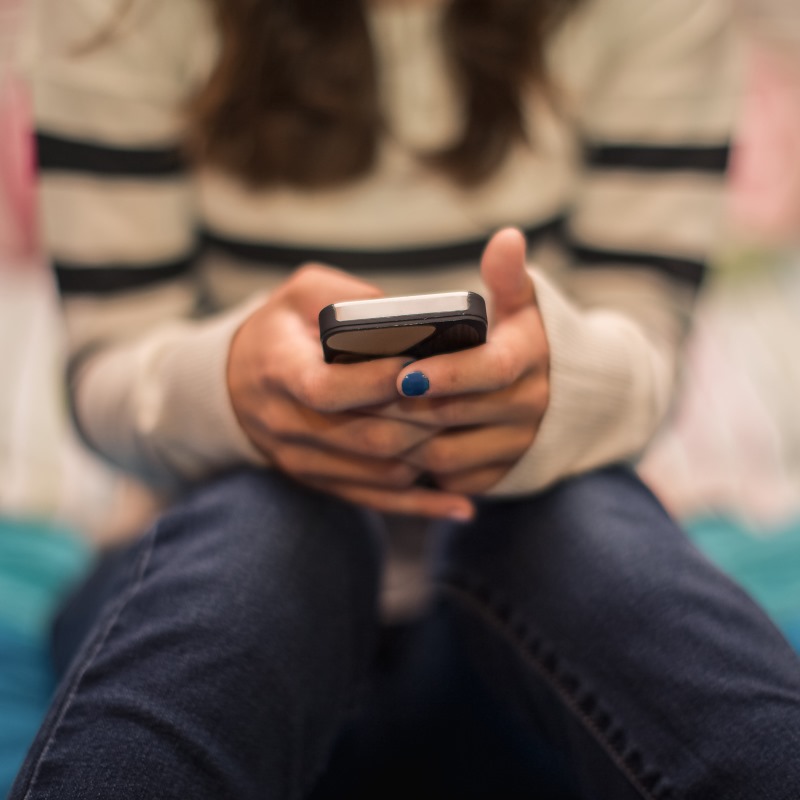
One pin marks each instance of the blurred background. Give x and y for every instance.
(727, 463)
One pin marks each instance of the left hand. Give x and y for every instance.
(488, 401)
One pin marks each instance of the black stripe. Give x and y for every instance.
(107, 279)
(452, 253)
(58, 154)
(711, 159)
(687, 270)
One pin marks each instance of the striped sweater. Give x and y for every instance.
(159, 262)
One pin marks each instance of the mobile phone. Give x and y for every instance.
(416, 326)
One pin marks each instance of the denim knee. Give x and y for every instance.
(607, 623)
(594, 545)
(254, 552)
(236, 636)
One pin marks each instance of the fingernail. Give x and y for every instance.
(415, 384)
(409, 362)
(460, 514)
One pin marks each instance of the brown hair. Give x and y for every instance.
(293, 96)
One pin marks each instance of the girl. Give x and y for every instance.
(373, 572)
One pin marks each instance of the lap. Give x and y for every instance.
(577, 625)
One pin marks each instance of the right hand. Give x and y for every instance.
(304, 414)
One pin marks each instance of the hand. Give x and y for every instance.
(488, 401)
(303, 414)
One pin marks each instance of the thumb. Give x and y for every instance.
(503, 269)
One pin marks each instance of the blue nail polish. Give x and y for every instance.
(409, 362)
(415, 384)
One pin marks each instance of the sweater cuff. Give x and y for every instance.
(202, 431)
(601, 409)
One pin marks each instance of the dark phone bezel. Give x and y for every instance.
(472, 321)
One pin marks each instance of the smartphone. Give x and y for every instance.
(416, 326)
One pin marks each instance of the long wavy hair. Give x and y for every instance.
(293, 96)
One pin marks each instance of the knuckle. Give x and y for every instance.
(281, 427)
(311, 392)
(287, 459)
(298, 283)
(304, 392)
(400, 476)
(448, 413)
(275, 374)
(461, 484)
(505, 366)
(407, 477)
(309, 272)
(438, 456)
(380, 440)
(278, 420)
(370, 439)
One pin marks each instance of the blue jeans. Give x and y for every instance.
(577, 646)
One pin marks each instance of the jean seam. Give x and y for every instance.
(124, 600)
(470, 599)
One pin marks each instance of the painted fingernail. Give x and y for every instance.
(409, 362)
(415, 384)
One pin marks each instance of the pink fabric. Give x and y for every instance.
(17, 207)
(765, 171)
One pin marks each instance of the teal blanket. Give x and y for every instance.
(38, 564)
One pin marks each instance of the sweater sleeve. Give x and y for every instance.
(117, 214)
(654, 113)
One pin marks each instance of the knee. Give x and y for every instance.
(253, 551)
(598, 546)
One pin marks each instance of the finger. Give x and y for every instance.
(473, 448)
(522, 401)
(343, 432)
(474, 482)
(297, 366)
(412, 502)
(311, 464)
(504, 271)
(516, 347)
(328, 388)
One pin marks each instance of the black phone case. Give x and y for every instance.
(452, 331)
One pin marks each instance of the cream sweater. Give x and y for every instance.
(619, 197)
